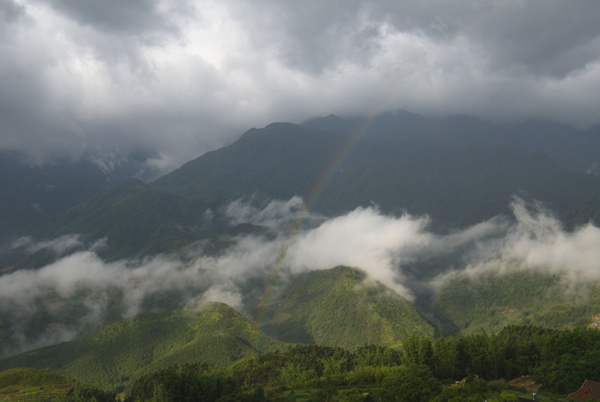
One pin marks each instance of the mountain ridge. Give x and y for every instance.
(216, 334)
(340, 307)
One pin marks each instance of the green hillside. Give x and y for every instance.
(217, 334)
(528, 356)
(337, 307)
(492, 301)
(14, 380)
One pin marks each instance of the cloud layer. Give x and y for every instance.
(80, 292)
(180, 78)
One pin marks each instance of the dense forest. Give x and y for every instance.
(421, 371)
(560, 360)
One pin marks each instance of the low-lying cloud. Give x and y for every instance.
(537, 242)
(59, 245)
(79, 292)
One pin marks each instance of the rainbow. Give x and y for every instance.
(315, 193)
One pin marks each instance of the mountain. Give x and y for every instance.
(493, 301)
(135, 219)
(572, 148)
(462, 174)
(292, 164)
(456, 183)
(15, 214)
(358, 311)
(52, 188)
(216, 334)
(339, 307)
(30, 192)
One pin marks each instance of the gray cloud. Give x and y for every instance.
(548, 38)
(277, 215)
(10, 12)
(136, 17)
(177, 79)
(551, 39)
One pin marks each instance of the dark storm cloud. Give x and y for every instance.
(181, 78)
(132, 17)
(10, 11)
(551, 38)
(544, 37)
(312, 36)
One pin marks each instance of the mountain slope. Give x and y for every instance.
(14, 380)
(15, 214)
(572, 148)
(280, 160)
(134, 219)
(456, 183)
(493, 300)
(56, 186)
(340, 307)
(215, 335)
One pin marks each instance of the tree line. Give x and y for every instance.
(560, 360)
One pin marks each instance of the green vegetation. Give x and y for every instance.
(337, 307)
(216, 334)
(19, 380)
(421, 373)
(559, 360)
(340, 307)
(491, 301)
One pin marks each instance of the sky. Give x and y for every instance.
(178, 78)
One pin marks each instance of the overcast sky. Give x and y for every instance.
(184, 77)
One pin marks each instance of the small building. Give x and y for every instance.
(595, 322)
(589, 390)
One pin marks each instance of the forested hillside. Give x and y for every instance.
(214, 334)
(493, 300)
(421, 373)
(558, 360)
(340, 307)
